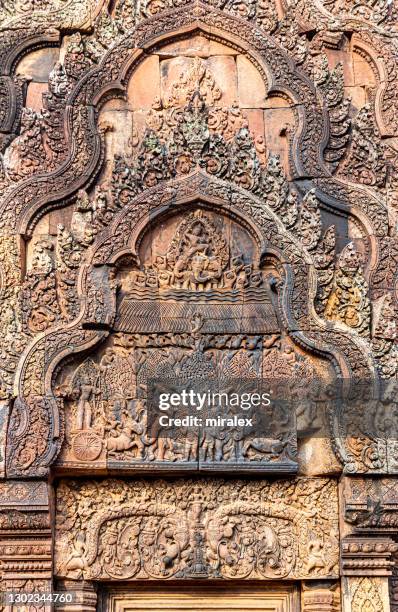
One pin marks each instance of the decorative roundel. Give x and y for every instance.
(87, 446)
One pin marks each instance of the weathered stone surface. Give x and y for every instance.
(188, 529)
(251, 87)
(359, 593)
(199, 189)
(144, 86)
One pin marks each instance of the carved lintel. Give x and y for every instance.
(84, 595)
(146, 530)
(367, 556)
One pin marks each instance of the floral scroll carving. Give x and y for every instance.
(367, 596)
(196, 529)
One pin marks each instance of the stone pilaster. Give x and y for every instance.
(366, 593)
(4, 414)
(83, 595)
(393, 592)
(367, 564)
(25, 541)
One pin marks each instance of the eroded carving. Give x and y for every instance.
(348, 301)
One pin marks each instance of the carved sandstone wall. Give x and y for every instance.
(201, 189)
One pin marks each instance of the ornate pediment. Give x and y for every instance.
(197, 277)
(199, 196)
(194, 308)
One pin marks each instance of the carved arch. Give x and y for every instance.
(21, 34)
(31, 198)
(49, 193)
(98, 308)
(110, 78)
(45, 192)
(111, 75)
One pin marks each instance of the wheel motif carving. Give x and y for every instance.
(87, 446)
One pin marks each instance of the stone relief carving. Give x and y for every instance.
(384, 338)
(308, 170)
(110, 414)
(91, 216)
(348, 301)
(330, 85)
(189, 529)
(367, 595)
(371, 505)
(393, 588)
(25, 537)
(196, 260)
(124, 316)
(14, 338)
(195, 310)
